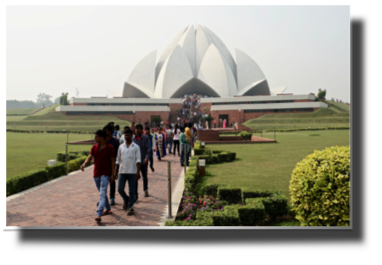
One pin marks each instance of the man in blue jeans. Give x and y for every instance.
(144, 146)
(104, 160)
(128, 165)
(152, 147)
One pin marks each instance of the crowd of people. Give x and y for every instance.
(125, 156)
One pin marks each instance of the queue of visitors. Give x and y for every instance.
(125, 157)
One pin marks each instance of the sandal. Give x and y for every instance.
(106, 212)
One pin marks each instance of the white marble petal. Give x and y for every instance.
(248, 71)
(170, 47)
(143, 73)
(176, 71)
(187, 42)
(278, 90)
(223, 51)
(203, 41)
(216, 73)
(131, 90)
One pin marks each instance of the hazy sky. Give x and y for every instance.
(54, 49)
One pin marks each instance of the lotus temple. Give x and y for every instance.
(195, 62)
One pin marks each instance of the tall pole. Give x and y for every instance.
(169, 189)
(66, 158)
(274, 133)
(185, 157)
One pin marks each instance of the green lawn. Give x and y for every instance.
(26, 152)
(269, 166)
(21, 111)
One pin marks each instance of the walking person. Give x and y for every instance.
(183, 142)
(118, 133)
(170, 136)
(176, 134)
(152, 147)
(144, 146)
(115, 143)
(132, 128)
(127, 167)
(160, 144)
(188, 133)
(104, 161)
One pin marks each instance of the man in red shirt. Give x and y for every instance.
(104, 164)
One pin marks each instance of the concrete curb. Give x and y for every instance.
(176, 199)
(21, 193)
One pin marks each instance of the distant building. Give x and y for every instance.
(195, 62)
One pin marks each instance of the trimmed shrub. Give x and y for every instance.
(211, 189)
(201, 222)
(320, 188)
(259, 209)
(228, 217)
(198, 150)
(75, 164)
(61, 157)
(72, 156)
(26, 181)
(249, 193)
(276, 205)
(217, 151)
(56, 171)
(229, 194)
(245, 135)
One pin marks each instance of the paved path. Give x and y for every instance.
(71, 200)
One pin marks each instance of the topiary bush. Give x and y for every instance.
(320, 188)
(245, 135)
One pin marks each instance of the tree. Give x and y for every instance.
(321, 94)
(64, 99)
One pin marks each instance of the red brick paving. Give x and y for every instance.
(71, 201)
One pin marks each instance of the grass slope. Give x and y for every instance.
(54, 121)
(269, 166)
(324, 117)
(26, 152)
(20, 111)
(46, 110)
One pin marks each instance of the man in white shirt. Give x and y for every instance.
(128, 166)
(122, 139)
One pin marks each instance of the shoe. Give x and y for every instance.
(98, 219)
(112, 201)
(106, 212)
(146, 194)
(124, 206)
(130, 212)
(136, 198)
(152, 169)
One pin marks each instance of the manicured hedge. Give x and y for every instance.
(41, 131)
(311, 129)
(210, 189)
(61, 157)
(276, 205)
(229, 194)
(34, 178)
(246, 135)
(249, 193)
(56, 171)
(198, 150)
(26, 181)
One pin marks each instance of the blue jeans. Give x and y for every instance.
(130, 178)
(144, 177)
(101, 183)
(182, 153)
(151, 160)
(169, 144)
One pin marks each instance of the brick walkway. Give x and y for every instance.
(71, 201)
